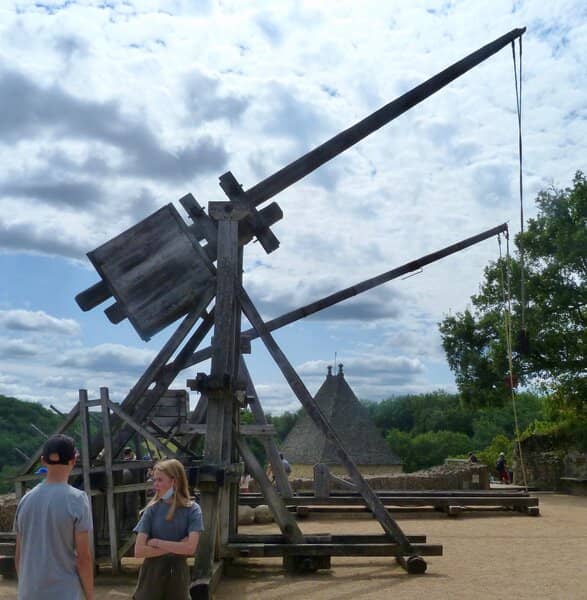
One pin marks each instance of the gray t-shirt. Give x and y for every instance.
(185, 520)
(47, 519)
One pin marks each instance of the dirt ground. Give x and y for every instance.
(486, 555)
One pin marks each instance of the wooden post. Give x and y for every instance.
(322, 481)
(106, 431)
(85, 450)
(220, 395)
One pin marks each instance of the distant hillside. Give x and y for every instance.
(16, 417)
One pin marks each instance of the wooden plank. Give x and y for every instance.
(401, 501)
(301, 392)
(318, 538)
(126, 546)
(140, 429)
(257, 430)
(158, 286)
(85, 451)
(272, 550)
(112, 525)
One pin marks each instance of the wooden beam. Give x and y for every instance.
(359, 288)
(140, 429)
(271, 449)
(112, 525)
(85, 451)
(304, 396)
(140, 400)
(283, 518)
(222, 376)
(257, 430)
(336, 549)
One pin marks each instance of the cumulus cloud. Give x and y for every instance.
(17, 349)
(107, 357)
(205, 102)
(28, 110)
(38, 237)
(37, 321)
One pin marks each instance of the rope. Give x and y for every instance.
(518, 85)
(507, 304)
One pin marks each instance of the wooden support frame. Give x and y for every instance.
(225, 228)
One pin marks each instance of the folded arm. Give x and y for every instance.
(186, 547)
(143, 550)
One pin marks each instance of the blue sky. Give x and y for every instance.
(111, 110)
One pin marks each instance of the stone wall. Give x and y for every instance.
(444, 477)
(7, 511)
(545, 462)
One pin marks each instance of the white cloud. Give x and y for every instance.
(37, 321)
(107, 357)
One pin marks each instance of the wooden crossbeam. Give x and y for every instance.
(335, 549)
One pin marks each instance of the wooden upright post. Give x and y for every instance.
(85, 449)
(106, 430)
(220, 393)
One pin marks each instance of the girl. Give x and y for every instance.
(168, 532)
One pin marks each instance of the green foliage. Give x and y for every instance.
(16, 417)
(425, 429)
(492, 421)
(427, 449)
(555, 311)
(420, 413)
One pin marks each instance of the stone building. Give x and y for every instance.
(305, 445)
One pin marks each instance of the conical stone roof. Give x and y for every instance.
(306, 444)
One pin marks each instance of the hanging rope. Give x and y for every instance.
(507, 312)
(518, 85)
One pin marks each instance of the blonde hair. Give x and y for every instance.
(181, 494)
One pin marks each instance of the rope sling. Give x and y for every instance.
(506, 281)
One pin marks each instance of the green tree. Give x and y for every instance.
(550, 342)
(427, 449)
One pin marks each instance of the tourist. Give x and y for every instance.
(128, 454)
(501, 468)
(285, 463)
(53, 526)
(244, 482)
(472, 458)
(167, 533)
